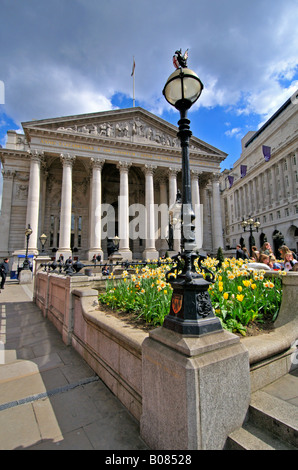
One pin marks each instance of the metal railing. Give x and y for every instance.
(75, 268)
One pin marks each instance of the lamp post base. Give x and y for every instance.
(191, 311)
(25, 276)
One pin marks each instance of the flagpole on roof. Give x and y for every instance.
(133, 75)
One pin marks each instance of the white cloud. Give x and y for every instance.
(235, 132)
(66, 57)
(266, 102)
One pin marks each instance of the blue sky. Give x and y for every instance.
(67, 57)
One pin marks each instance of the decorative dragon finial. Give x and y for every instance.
(179, 60)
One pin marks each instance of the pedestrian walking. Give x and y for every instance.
(240, 253)
(4, 270)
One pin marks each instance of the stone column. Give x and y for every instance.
(292, 182)
(282, 180)
(95, 211)
(204, 180)
(217, 238)
(241, 202)
(164, 223)
(172, 199)
(150, 250)
(66, 206)
(123, 211)
(273, 179)
(267, 189)
(34, 200)
(8, 179)
(44, 180)
(256, 194)
(197, 208)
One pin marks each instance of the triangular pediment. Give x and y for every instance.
(130, 126)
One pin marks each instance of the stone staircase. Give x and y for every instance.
(272, 424)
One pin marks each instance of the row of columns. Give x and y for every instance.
(267, 188)
(123, 209)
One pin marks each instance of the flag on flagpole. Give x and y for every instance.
(243, 169)
(266, 152)
(231, 180)
(133, 75)
(133, 67)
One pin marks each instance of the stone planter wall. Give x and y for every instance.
(113, 348)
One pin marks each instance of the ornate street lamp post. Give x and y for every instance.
(43, 238)
(191, 310)
(28, 231)
(250, 223)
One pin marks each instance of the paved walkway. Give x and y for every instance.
(50, 399)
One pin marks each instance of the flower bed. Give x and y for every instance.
(239, 297)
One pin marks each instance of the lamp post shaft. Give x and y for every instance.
(187, 216)
(191, 312)
(26, 261)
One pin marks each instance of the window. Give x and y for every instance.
(278, 214)
(287, 213)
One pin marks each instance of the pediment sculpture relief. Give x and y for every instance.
(134, 130)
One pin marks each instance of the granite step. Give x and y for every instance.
(272, 425)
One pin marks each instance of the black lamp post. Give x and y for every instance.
(28, 231)
(191, 310)
(250, 223)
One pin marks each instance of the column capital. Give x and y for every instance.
(67, 159)
(97, 163)
(8, 174)
(149, 169)
(161, 179)
(215, 177)
(123, 165)
(195, 173)
(173, 171)
(36, 155)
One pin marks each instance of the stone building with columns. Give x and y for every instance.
(263, 183)
(83, 179)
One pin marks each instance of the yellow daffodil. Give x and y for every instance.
(269, 284)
